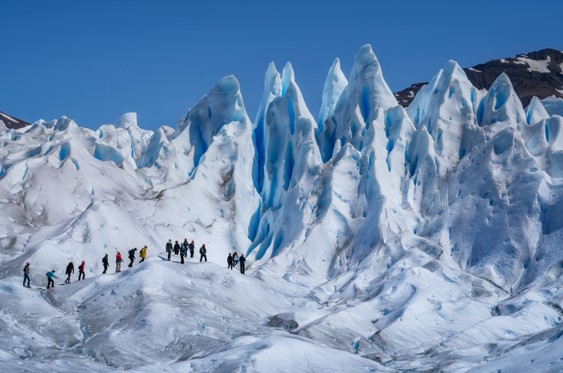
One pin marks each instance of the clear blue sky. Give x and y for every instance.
(94, 60)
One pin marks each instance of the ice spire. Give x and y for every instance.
(272, 88)
(368, 81)
(127, 120)
(446, 107)
(535, 111)
(365, 95)
(222, 105)
(290, 165)
(288, 140)
(501, 104)
(335, 84)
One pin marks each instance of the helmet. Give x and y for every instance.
(27, 263)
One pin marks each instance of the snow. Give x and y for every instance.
(535, 65)
(8, 117)
(378, 238)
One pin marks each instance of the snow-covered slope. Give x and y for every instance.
(379, 238)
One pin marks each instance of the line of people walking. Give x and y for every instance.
(179, 249)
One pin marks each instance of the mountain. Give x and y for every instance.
(378, 238)
(12, 122)
(537, 74)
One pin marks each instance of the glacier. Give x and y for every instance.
(378, 238)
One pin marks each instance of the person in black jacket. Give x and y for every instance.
(132, 257)
(230, 261)
(203, 253)
(191, 247)
(105, 262)
(69, 271)
(242, 260)
(26, 278)
(176, 248)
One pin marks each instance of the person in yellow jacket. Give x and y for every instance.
(143, 254)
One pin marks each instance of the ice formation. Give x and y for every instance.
(378, 238)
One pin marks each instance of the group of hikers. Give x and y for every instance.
(178, 249)
(184, 248)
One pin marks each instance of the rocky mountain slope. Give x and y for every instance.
(12, 122)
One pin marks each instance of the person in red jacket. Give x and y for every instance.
(118, 261)
(81, 274)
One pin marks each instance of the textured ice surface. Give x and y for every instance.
(378, 238)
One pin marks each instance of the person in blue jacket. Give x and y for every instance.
(50, 276)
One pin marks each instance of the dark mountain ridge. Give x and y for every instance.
(537, 74)
(12, 122)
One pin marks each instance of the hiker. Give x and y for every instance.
(176, 248)
(230, 261)
(143, 254)
(81, 273)
(69, 271)
(183, 251)
(50, 276)
(203, 253)
(118, 261)
(132, 257)
(242, 261)
(169, 248)
(105, 262)
(26, 275)
(235, 258)
(192, 246)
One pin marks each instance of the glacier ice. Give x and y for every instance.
(379, 238)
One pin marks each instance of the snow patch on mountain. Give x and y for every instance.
(535, 65)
